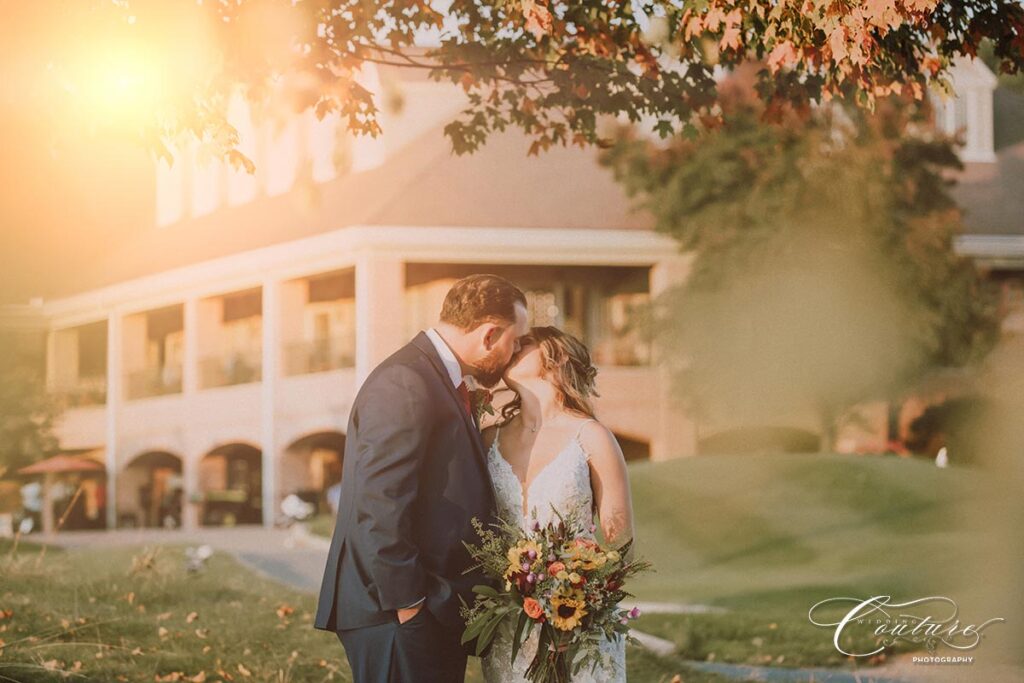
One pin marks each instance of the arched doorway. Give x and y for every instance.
(310, 467)
(231, 484)
(151, 491)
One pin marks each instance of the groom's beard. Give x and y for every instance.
(489, 370)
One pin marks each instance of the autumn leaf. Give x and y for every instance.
(732, 38)
(538, 18)
(783, 54)
(192, 616)
(245, 672)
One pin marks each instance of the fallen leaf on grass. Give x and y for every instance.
(6, 613)
(192, 616)
(164, 616)
(202, 632)
(245, 672)
(284, 610)
(162, 632)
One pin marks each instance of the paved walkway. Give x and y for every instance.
(288, 555)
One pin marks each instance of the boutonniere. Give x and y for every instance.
(481, 400)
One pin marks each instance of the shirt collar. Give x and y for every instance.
(451, 363)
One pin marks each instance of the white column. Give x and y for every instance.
(675, 434)
(113, 410)
(189, 387)
(380, 309)
(268, 398)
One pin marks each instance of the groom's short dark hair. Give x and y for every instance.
(477, 299)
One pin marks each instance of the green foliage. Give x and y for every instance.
(27, 410)
(824, 271)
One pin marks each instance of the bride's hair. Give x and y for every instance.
(567, 365)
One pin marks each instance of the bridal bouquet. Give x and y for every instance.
(557, 579)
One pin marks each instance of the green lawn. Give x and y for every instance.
(83, 616)
(779, 533)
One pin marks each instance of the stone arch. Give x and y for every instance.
(231, 485)
(150, 490)
(309, 466)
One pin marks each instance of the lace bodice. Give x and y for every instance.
(564, 483)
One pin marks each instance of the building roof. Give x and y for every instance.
(992, 195)
(423, 184)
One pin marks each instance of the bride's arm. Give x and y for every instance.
(610, 481)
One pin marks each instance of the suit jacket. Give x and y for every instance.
(414, 475)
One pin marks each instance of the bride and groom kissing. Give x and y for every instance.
(417, 470)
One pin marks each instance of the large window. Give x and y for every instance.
(604, 306)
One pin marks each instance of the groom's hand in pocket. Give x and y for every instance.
(408, 613)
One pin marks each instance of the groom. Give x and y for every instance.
(414, 475)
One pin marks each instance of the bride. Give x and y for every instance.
(550, 451)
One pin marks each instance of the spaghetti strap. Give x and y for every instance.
(580, 430)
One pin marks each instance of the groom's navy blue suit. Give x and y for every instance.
(414, 475)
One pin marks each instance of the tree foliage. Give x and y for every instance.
(824, 271)
(553, 69)
(27, 410)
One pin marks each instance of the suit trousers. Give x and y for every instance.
(421, 650)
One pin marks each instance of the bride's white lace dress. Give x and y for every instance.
(565, 483)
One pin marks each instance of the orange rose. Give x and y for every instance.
(532, 608)
(555, 567)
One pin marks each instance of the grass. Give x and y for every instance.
(84, 615)
(779, 533)
(768, 537)
(84, 612)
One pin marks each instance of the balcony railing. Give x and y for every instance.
(319, 355)
(85, 391)
(233, 367)
(155, 381)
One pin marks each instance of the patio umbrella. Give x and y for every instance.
(59, 464)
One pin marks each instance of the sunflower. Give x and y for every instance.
(566, 612)
(518, 554)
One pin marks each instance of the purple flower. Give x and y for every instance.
(536, 525)
(634, 613)
(531, 577)
(525, 566)
(551, 557)
(624, 620)
(540, 577)
(532, 554)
